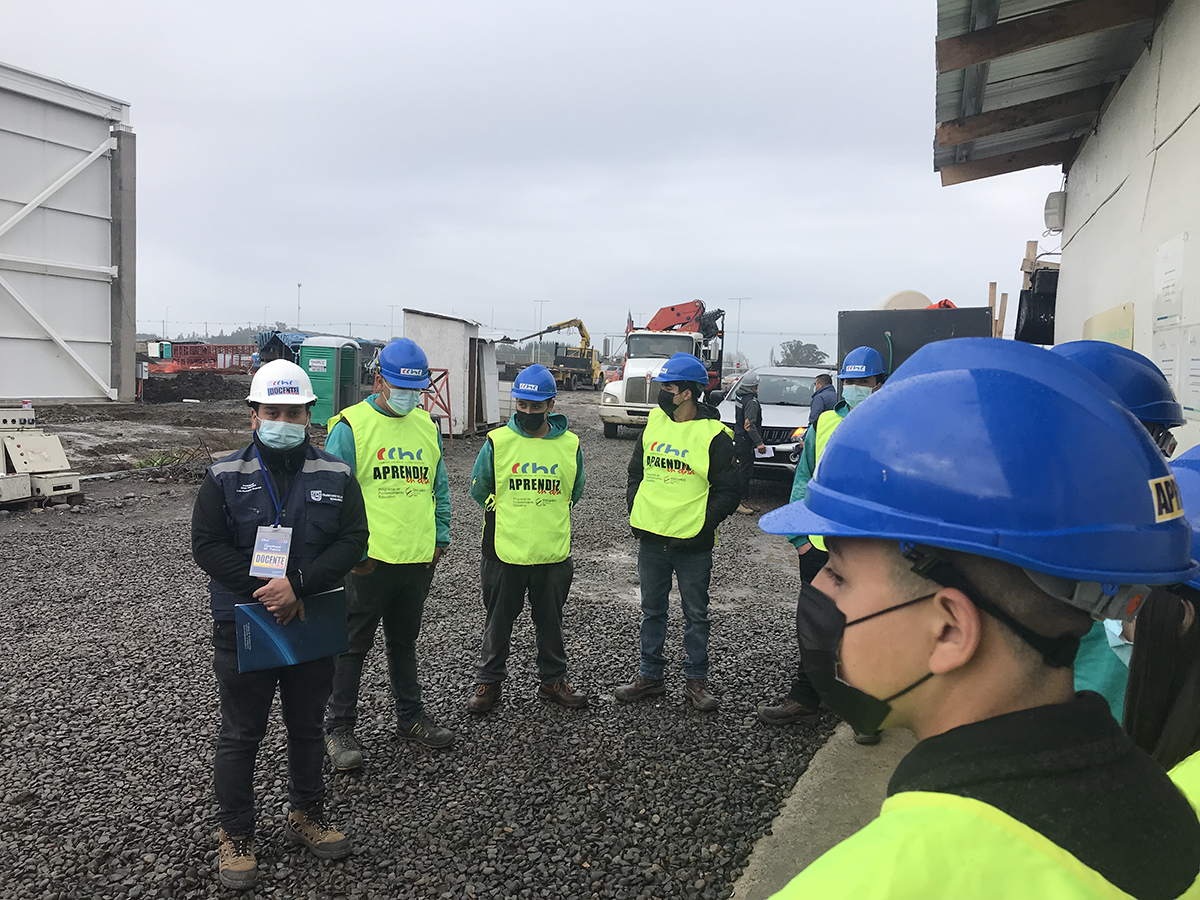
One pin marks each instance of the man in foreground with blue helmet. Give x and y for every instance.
(528, 477)
(963, 570)
(396, 451)
(1104, 653)
(682, 484)
(862, 373)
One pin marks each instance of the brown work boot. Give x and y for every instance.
(561, 693)
(236, 866)
(485, 697)
(313, 830)
(640, 687)
(745, 509)
(788, 712)
(697, 692)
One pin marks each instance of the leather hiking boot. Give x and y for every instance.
(561, 693)
(485, 697)
(640, 687)
(423, 731)
(745, 509)
(344, 751)
(697, 693)
(313, 831)
(236, 866)
(788, 712)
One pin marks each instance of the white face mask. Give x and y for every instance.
(402, 401)
(855, 394)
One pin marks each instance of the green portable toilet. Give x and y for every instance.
(332, 364)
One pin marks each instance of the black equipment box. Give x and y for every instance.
(908, 329)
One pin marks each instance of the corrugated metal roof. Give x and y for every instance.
(1087, 61)
(54, 90)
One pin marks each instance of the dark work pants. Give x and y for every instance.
(743, 455)
(246, 699)
(504, 589)
(802, 690)
(393, 594)
(656, 563)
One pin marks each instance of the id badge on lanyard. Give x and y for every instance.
(273, 543)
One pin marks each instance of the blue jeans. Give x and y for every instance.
(693, 571)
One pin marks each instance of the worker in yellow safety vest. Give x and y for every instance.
(682, 484)
(528, 477)
(862, 374)
(963, 570)
(396, 451)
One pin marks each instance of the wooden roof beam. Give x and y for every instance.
(1055, 154)
(1059, 23)
(1022, 115)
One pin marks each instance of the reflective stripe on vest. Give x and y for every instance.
(1186, 776)
(827, 424)
(673, 497)
(534, 480)
(944, 847)
(397, 458)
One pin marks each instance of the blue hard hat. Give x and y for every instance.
(862, 362)
(404, 365)
(1187, 475)
(535, 383)
(1139, 383)
(1002, 449)
(683, 367)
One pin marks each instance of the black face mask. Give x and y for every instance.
(820, 626)
(530, 422)
(666, 402)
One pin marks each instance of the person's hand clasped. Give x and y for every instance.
(279, 598)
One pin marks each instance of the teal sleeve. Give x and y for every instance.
(441, 500)
(580, 478)
(483, 476)
(340, 443)
(804, 470)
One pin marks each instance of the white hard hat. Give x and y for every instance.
(281, 383)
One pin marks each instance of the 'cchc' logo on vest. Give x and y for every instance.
(662, 455)
(533, 469)
(396, 453)
(660, 447)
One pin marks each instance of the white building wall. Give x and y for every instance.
(444, 341)
(1133, 191)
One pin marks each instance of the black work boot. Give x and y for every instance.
(423, 731)
(788, 712)
(640, 687)
(697, 693)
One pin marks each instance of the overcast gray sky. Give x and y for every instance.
(477, 157)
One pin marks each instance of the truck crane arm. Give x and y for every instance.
(585, 340)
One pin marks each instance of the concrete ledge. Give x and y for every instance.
(839, 793)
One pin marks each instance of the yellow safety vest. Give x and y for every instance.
(397, 458)
(827, 424)
(534, 480)
(673, 497)
(1186, 776)
(933, 846)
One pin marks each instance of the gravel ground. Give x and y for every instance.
(108, 714)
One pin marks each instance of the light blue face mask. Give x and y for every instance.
(855, 394)
(402, 401)
(280, 435)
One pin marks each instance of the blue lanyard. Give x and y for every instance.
(271, 490)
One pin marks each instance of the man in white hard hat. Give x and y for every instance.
(278, 479)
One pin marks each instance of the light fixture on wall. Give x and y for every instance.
(1056, 211)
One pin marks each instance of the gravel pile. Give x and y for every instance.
(193, 386)
(108, 714)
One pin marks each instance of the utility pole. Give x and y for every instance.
(392, 323)
(166, 316)
(737, 348)
(541, 313)
(265, 308)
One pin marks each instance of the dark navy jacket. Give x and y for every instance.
(324, 509)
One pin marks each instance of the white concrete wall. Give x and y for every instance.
(1135, 188)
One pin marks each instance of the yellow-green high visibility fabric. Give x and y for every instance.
(673, 497)
(1186, 776)
(827, 424)
(534, 479)
(932, 846)
(397, 458)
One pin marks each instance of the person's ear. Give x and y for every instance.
(550, 406)
(957, 627)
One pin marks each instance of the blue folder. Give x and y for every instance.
(265, 644)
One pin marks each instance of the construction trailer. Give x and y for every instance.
(471, 384)
(67, 242)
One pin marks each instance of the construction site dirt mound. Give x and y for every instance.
(193, 386)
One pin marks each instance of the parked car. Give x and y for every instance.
(785, 393)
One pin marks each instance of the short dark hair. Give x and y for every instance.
(822, 380)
